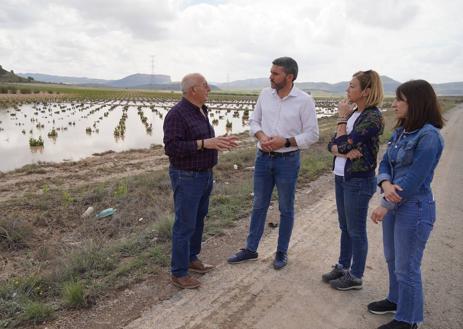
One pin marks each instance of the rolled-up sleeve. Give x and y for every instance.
(310, 131)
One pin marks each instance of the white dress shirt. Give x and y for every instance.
(291, 116)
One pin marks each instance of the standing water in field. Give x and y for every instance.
(71, 131)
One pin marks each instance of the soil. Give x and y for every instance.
(254, 295)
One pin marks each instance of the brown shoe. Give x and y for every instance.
(198, 266)
(185, 282)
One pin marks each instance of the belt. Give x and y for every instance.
(279, 154)
(193, 170)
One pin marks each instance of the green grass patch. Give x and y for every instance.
(37, 312)
(91, 261)
(163, 227)
(73, 294)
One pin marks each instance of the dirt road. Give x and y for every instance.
(253, 295)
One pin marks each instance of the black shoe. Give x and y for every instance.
(394, 324)
(346, 282)
(281, 259)
(335, 273)
(242, 256)
(382, 307)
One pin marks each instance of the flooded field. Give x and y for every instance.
(72, 130)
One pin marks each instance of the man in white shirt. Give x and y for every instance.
(283, 121)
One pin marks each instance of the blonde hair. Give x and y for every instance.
(370, 79)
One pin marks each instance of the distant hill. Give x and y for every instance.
(337, 88)
(139, 79)
(130, 81)
(248, 84)
(164, 82)
(62, 79)
(449, 89)
(389, 85)
(10, 76)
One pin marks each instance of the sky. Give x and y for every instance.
(229, 40)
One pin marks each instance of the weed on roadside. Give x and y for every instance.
(14, 233)
(73, 294)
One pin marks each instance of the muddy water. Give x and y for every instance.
(86, 128)
(70, 121)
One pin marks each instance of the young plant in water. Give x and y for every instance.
(36, 142)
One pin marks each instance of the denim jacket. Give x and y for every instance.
(410, 160)
(365, 138)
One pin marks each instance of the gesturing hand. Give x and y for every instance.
(221, 143)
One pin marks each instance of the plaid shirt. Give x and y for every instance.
(183, 126)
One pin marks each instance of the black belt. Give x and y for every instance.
(279, 154)
(194, 170)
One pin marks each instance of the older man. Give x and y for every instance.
(283, 121)
(192, 147)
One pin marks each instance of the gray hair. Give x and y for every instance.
(289, 65)
(190, 80)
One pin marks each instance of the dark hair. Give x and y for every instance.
(289, 65)
(423, 106)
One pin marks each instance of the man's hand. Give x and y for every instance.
(263, 139)
(378, 214)
(221, 143)
(390, 191)
(273, 143)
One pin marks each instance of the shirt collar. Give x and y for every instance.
(193, 106)
(292, 93)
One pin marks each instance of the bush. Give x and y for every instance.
(37, 312)
(91, 261)
(73, 294)
(164, 228)
(14, 233)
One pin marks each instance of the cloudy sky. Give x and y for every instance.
(228, 40)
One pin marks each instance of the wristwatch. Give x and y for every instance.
(288, 143)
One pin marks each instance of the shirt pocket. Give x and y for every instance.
(406, 153)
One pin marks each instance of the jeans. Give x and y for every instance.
(191, 201)
(405, 233)
(352, 198)
(270, 171)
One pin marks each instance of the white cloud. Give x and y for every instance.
(233, 38)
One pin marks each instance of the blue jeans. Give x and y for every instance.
(352, 198)
(191, 201)
(405, 233)
(270, 171)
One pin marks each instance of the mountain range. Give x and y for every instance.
(164, 82)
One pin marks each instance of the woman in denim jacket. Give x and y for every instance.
(355, 147)
(408, 209)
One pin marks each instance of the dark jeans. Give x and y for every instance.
(352, 198)
(191, 201)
